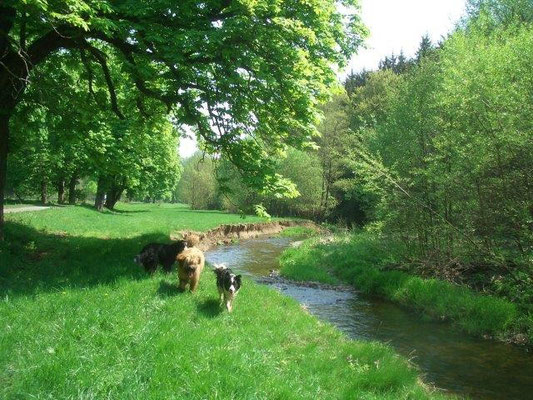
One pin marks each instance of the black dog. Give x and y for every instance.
(157, 253)
(228, 284)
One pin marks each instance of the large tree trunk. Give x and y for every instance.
(10, 89)
(4, 137)
(72, 189)
(100, 194)
(113, 195)
(112, 199)
(61, 191)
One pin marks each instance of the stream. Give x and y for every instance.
(447, 358)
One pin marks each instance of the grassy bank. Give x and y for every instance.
(362, 260)
(300, 232)
(80, 320)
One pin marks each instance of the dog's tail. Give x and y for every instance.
(219, 268)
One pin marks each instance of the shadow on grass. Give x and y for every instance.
(209, 308)
(112, 212)
(168, 289)
(35, 261)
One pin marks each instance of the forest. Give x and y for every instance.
(395, 204)
(433, 151)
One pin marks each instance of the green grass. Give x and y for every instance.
(299, 232)
(80, 320)
(127, 220)
(360, 259)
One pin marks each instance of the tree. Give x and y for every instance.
(232, 69)
(447, 147)
(198, 185)
(355, 80)
(425, 48)
(499, 12)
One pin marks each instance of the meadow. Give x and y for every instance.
(81, 320)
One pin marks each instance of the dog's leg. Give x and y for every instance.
(151, 267)
(220, 297)
(182, 284)
(229, 305)
(194, 283)
(167, 267)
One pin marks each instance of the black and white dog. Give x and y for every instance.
(157, 253)
(228, 285)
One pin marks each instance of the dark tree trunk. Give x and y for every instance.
(72, 189)
(113, 195)
(44, 191)
(112, 199)
(61, 191)
(4, 137)
(100, 194)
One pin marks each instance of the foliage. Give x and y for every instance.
(69, 139)
(302, 168)
(443, 151)
(198, 186)
(232, 70)
(261, 211)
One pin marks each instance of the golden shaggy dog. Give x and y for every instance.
(190, 265)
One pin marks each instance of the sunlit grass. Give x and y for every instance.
(127, 220)
(80, 320)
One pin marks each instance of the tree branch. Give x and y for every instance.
(101, 58)
(90, 76)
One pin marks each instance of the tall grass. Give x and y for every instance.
(80, 320)
(360, 259)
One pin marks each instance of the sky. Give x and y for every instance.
(394, 25)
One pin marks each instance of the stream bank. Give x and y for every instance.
(453, 361)
(230, 233)
(364, 261)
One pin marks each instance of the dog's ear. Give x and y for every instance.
(238, 278)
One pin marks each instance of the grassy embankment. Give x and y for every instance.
(80, 320)
(362, 260)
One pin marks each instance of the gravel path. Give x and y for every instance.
(24, 208)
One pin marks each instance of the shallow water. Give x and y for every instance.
(451, 360)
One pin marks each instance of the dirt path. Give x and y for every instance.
(25, 208)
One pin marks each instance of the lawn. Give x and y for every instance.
(80, 320)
